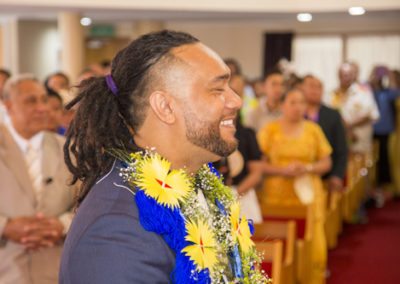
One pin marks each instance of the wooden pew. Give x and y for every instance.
(285, 231)
(361, 177)
(303, 216)
(273, 256)
(355, 187)
(334, 218)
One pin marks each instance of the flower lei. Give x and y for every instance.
(211, 246)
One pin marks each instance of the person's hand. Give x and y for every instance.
(34, 232)
(353, 137)
(294, 169)
(54, 229)
(48, 231)
(18, 228)
(242, 190)
(299, 169)
(335, 183)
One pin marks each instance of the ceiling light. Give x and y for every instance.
(86, 21)
(356, 11)
(304, 17)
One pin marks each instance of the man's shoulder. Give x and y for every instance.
(331, 112)
(59, 139)
(361, 87)
(112, 192)
(109, 196)
(3, 130)
(8, 146)
(107, 230)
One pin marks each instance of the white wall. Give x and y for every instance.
(240, 39)
(244, 40)
(372, 50)
(319, 56)
(241, 42)
(39, 48)
(9, 52)
(1, 46)
(208, 5)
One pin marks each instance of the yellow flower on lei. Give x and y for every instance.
(167, 187)
(203, 250)
(240, 229)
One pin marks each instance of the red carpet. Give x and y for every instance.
(369, 254)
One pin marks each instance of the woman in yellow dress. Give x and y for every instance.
(297, 154)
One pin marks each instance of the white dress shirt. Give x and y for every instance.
(35, 142)
(358, 102)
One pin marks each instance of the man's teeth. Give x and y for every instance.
(227, 122)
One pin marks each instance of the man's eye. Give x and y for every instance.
(219, 90)
(31, 101)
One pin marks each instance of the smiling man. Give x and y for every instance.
(191, 106)
(155, 217)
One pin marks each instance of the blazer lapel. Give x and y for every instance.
(50, 151)
(14, 160)
(322, 117)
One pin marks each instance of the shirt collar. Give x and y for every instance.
(264, 106)
(35, 142)
(263, 103)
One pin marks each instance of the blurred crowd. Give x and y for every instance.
(279, 107)
(36, 198)
(295, 143)
(294, 146)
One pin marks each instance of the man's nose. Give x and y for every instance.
(42, 106)
(233, 100)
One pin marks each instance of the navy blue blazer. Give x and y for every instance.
(332, 125)
(107, 244)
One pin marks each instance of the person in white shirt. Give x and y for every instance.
(357, 106)
(269, 106)
(35, 200)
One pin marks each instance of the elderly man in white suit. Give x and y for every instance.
(35, 199)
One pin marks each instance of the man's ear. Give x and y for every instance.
(7, 103)
(161, 104)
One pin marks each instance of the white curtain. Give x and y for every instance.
(319, 56)
(371, 50)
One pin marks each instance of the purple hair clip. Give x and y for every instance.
(111, 84)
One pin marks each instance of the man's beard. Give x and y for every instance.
(207, 135)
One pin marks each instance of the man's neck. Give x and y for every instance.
(22, 132)
(272, 105)
(344, 89)
(313, 108)
(178, 159)
(26, 136)
(312, 112)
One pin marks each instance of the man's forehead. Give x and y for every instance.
(347, 68)
(312, 80)
(274, 78)
(197, 55)
(58, 77)
(29, 87)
